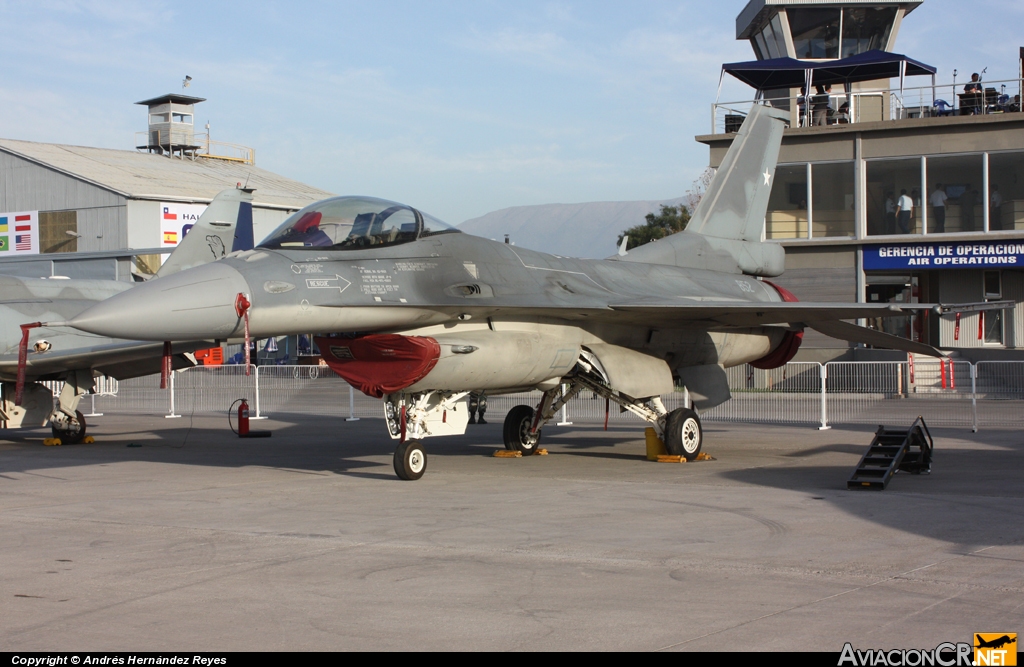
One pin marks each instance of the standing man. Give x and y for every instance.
(477, 402)
(968, 200)
(995, 210)
(938, 200)
(904, 207)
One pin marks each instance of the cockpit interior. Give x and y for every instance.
(354, 223)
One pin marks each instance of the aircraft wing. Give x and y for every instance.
(752, 314)
(119, 360)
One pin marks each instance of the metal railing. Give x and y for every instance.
(946, 393)
(860, 106)
(198, 144)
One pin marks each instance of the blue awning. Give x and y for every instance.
(792, 73)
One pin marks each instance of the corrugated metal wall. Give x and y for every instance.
(26, 186)
(265, 220)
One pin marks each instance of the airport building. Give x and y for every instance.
(855, 146)
(85, 212)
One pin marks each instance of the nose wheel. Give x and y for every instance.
(410, 460)
(70, 431)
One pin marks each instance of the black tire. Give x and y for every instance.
(75, 434)
(517, 425)
(410, 460)
(684, 435)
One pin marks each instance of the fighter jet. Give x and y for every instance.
(419, 314)
(64, 354)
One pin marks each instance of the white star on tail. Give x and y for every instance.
(767, 177)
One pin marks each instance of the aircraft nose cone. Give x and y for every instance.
(196, 304)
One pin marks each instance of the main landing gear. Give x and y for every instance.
(680, 430)
(413, 417)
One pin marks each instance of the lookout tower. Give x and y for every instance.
(817, 30)
(171, 125)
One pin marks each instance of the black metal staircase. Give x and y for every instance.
(909, 450)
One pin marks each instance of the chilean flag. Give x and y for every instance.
(168, 215)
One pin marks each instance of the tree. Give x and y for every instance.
(670, 220)
(699, 187)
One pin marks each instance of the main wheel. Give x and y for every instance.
(517, 430)
(71, 431)
(410, 460)
(683, 433)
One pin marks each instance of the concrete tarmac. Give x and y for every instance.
(175, 535)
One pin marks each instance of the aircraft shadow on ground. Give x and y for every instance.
(972, 497)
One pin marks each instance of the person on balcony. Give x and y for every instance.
(970, 101)
(938, 201)
(904, 207)
(821, 104)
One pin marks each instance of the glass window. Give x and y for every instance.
(815, 32)
(959, 179)
(760, 52)
(866, 29)
(353, 223)
(787, 206)
(181, 118)
(770, 42)
(157, 118)
(887, 179)
(1006, 191)
(780, 38)
(832, 199)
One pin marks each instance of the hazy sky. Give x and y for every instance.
(458, 108)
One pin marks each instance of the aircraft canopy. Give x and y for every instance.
(354, 223)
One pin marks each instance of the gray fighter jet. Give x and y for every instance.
(75, 358)
(420, 315)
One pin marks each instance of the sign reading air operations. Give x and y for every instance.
(176, 220)
(19, 233)
(959, 255)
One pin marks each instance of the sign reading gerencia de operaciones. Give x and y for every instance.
(960, 255)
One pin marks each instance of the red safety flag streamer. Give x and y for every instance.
(165, 365)
(981, 325)
(952, 374)
(242, 310)
(19, 387)
(910, 360)
(956, 329)
(942, 366)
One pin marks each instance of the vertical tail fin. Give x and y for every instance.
(225, 226)
(735, 203)
(724, 233)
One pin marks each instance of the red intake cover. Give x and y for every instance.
(787, 349)
(380, 364)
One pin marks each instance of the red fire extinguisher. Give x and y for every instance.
(243, 421)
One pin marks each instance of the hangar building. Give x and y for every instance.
(87, 211)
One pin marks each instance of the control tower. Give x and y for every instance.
(171, 124)
(821, 30)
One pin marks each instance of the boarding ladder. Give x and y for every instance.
(909, 450)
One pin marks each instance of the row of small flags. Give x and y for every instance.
(21, 241)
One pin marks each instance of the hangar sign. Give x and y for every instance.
(19, 233)
(959, 255)
(176, 220)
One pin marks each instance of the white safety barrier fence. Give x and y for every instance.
(945, 393)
